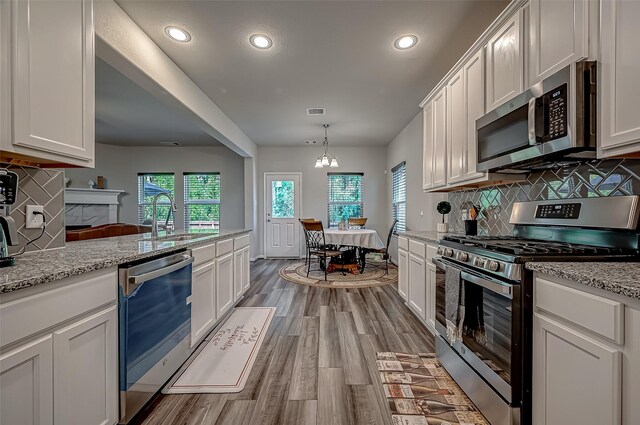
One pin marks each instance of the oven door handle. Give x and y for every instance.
(141, 278)
(500, 288)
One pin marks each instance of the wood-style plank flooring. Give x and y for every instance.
(317, 363)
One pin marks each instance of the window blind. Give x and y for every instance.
(149, 185)
(344, 193)
(399, 196)
(201, 200)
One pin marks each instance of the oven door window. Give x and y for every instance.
(488, 327)
(505, 135)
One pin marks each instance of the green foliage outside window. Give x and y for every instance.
(345, 197)
(282, 199)
(202, 200)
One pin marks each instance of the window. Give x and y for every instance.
(399, 196)
(344, 196)
(282, 199)
(201, 201)
(149, 185)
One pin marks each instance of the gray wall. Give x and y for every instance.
(121, 165)
(371, 161)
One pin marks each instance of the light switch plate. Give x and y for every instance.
(34, 221)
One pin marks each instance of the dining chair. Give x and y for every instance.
(307, 257)
(385, 251)
(316, 245)
(357, 222)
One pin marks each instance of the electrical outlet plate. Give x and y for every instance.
(34, 221)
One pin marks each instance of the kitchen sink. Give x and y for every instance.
(179, 238)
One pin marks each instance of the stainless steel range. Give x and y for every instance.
(492, 359)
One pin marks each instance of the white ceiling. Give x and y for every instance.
(333, 54)
(127, 115)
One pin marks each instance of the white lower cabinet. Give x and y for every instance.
(431, 295)
(577, 380)
(403, 274)
(241, 279)
(203, 306)
(26, 384)
(417, 286)
(85, 371)
(224, 284)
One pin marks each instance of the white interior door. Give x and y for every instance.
(282, 201)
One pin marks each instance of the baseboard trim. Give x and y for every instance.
(257, 257)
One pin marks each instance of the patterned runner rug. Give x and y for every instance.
(421, 392)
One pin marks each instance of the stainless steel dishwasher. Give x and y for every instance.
(155, 326)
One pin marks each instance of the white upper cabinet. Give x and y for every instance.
(427, 147)
(619, 71)
(440, 139)
(505, 63)
(49, 68)
(456, 129)
(558, 36)
(473, 74)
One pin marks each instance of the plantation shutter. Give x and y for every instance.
(399, 196)
(344, 196)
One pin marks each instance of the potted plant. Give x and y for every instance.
(443, 208)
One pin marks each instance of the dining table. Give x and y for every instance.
(361, 240)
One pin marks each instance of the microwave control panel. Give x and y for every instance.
(556, 112)
(568, 211)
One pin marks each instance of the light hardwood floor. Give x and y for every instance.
(317, 363)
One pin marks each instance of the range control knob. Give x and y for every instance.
(440, 250)
(494, 266)
(478, 262)
(448, 252)
(462, 256)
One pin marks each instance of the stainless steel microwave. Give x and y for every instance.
(553, 121)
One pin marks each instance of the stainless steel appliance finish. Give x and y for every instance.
(499, 289)
(553, 120)
(8, 233)
(154, 304)
(174, 209)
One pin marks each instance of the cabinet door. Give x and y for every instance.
(53, 79)
(203, 307)
(456, 128)
(85, 371)
(246, 264)
(403, 274)
(619, 88)
(224, 284)
(440, 139)
(474, 101)
(238, 274)
(558, 36)
(427, 147)
(505, 63)
(417, 285)
(26, 384)
(576, 380)
(431, 296)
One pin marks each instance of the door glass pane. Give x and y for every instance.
(282, 199)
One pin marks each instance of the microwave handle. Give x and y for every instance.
(532, 122)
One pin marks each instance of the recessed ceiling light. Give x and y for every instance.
(260, 41)
(406, 42)
(178, 34)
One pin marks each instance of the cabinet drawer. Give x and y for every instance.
(403, 243)
(224, 247)
(70, 298)
(203, 254)
(599, 315)
(431, 251)
(417, 248)
(240, 242)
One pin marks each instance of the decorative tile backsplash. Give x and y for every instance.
(593, 179)
(37, 186)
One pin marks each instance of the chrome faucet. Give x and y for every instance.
(154, 229)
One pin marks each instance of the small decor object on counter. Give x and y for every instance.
(91, 184)
(67, 181)
(443, 208)
(100, 182)
(470, 220)
(342, 225)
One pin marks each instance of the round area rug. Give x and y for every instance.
(372, 276)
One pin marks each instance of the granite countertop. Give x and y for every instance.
(423, 235)
(36, 268)
(618, 278)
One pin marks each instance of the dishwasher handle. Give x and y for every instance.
(141, 278)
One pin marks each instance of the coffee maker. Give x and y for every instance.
(8, 233)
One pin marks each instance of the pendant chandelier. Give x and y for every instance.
(324, 160)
